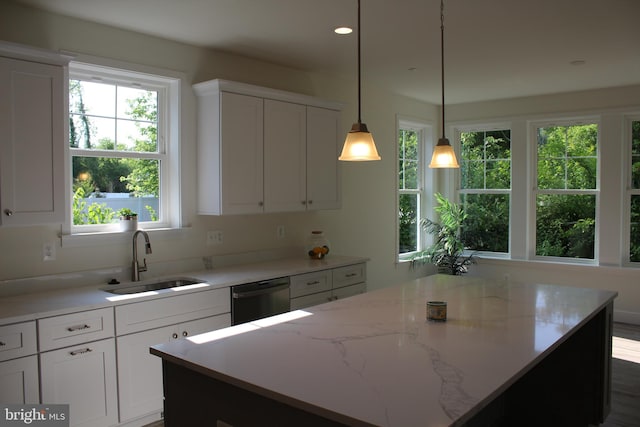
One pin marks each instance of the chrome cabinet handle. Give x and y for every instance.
(83, 351)
(315, 282)
(78, 327)
(174, 336)
(2, 344)
(350, 274)
(304, 202)
(8, 212)
(310, 202)
(185, 333)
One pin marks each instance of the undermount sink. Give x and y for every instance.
(152, 286)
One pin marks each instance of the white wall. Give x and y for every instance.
(364, 227)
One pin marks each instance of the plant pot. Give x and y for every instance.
(128, 223)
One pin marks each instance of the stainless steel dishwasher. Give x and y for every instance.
(256, 300)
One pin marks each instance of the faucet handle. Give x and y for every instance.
(144, 266)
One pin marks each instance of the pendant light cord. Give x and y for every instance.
(359, 83)
(442, 59)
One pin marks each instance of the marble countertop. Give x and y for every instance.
(34, 305)
(374, 359)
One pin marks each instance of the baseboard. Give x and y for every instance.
(630, 317)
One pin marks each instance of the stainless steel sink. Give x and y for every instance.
(151, 286)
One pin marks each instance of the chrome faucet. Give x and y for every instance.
(135, 267)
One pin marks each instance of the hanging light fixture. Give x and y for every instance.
(443, 154)
(359, 144)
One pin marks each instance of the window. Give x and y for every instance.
(411, 142)
(485, 187)
(566, 191)
(634, 192)
(120, 147)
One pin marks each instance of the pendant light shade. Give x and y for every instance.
(359, 145)
(443, 154)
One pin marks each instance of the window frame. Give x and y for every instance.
(486, 127)
(168, 85)
(424, 130)
(629, 190)
(534, 125)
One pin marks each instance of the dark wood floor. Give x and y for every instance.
(625, 410)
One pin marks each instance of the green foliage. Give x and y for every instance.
(126, 212)
(447, 251)
(95, 213)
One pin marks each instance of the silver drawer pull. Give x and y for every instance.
(83, 351)
(174, 336)
(8, 212)
(315, 282)
(350, 274)
(185, 333)
(78, 327)
(2, 344)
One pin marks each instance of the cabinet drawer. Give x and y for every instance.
(349, 291)
(171, 310)
(310, 283)
(75, 328)
(349, 275)
(17, 340)
(310, 300)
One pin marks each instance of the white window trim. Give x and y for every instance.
(426, 179)
(486, 127)
(533, 167)
(171, 170)
(629, 191)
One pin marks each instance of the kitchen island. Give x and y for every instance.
(508, 354)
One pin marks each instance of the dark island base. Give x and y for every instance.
(569, 387)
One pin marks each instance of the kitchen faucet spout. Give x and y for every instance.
(136, 269)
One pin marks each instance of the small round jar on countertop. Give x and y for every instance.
(317, 245)
(437, 311)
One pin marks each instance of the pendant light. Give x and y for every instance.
(443, 154)
(359, 144)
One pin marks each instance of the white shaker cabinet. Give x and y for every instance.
(140, 373)
(19, 364)
(285, 156)
(143, 324)
(78, 365)
(33, 125)
(323, 149)
(264, 150)
(84, 377)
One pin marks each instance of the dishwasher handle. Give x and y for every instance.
(249, 294)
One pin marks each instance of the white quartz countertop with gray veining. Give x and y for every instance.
(43, 303)
(373, 359)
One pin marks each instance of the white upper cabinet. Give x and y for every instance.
(33, 125)
(264, 150)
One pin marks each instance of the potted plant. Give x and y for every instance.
(448, 250)
(128, 219)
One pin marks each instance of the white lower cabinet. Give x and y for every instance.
(19, 380)
(327, 285)
(140, 373)
(83, 376)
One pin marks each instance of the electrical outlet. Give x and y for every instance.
(280, 232)
(214, 237)
(49, 251)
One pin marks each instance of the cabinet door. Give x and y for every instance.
(349, 291)
(310, 300)
(323, 173)
(140, 373)
(285, 157)
(32, 129)
(241, 145)
(84, 377)
(19, 380)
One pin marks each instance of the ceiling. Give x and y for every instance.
(494, 48)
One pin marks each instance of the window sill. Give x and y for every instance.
(79, 240)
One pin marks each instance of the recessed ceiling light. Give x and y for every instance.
(343, 30)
